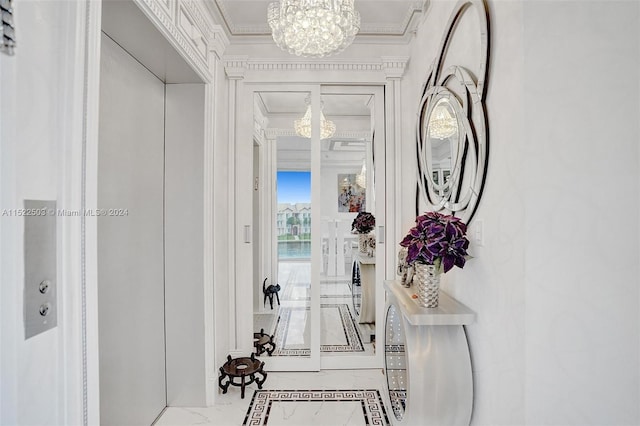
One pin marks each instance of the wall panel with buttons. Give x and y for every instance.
(40, 307)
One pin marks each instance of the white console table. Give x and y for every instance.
(367, 267)
(427, 361)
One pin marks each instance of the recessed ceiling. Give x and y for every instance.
(381, 18)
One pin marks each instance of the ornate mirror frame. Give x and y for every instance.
(465, 93)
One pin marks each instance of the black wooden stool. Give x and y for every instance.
(241, 368)
(263, 343)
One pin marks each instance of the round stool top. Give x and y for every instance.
(239, 366)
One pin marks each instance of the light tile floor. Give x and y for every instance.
(230, 409)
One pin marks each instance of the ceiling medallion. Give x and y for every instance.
(313, 28)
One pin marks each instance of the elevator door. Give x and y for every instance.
(130, 240)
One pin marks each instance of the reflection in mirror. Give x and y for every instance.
(443, 139)
(396, 362)
(347, 305)
(347, 187)
(287, 201)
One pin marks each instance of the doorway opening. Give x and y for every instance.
(150, 260)
(321, 187)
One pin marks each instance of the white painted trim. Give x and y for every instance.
(70, 292)
(400, 190)
(231, 208)
(209, 233)
(90, 201)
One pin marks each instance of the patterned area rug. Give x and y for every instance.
(268, 404)
(292, 338)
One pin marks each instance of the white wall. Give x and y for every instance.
(38, 113)
(581, 71)
(184, 237)
(556, 340)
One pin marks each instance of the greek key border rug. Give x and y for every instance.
(373, 409)
(351, 333)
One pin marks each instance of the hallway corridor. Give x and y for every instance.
(338, 408)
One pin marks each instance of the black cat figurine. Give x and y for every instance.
(270, 291)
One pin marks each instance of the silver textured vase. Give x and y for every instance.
(427, 279)
(363, 242)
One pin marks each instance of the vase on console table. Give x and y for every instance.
(427, 279)
(363, 243)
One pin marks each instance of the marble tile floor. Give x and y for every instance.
(341, 334)
(230, 409)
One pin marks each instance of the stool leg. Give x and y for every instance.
(242, 387)
(264, 378)
(224, 387)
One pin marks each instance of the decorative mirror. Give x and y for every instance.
(396, 361)
(452, 134)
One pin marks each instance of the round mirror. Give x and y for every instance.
(452, 140)
(396, 361)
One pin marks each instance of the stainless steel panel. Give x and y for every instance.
(40, 308)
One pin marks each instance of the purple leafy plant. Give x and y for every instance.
(363, 223)
(438, 240)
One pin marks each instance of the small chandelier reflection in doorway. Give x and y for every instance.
(361, 178)
(303, 125)
(313, 28)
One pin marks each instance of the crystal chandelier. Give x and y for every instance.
(361, 178)
(442, 124)
(303, 125)
(313, 27)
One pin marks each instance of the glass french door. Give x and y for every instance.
(323, 151)
(351, 173)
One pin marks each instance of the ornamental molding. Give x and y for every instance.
(394, 66)
(235, 66)
(157, 14)
(219, 42)
(273, 133)
(194, 8)
(311, 65)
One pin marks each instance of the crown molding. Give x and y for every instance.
(214, 34)
(235, 66)
(394, 66)
(195, 9)
(273, 133)
(166, 23)
(220, 41)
